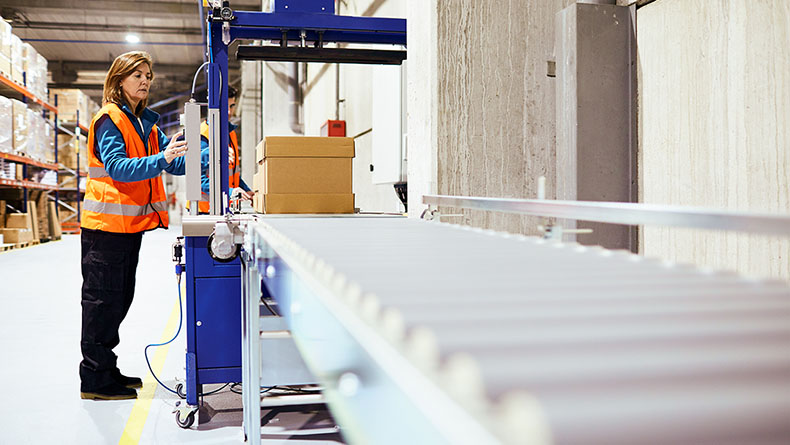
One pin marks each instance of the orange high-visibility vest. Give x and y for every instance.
(123, 207)
(233, 166)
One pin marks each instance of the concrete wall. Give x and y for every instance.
(713, 124)
(488, 115)
(320, 104)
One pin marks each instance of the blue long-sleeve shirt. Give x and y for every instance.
(111, 150)
(204, 159)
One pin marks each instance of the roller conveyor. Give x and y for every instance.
(431, 333)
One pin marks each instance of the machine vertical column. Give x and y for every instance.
(217, 114)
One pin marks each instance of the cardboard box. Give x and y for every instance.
(6, 125)
(52, 220)
(5, 65)
(21, 126)
(307, 203)
(307, 175)
(18, 221)
(5, 47)
(69, 102)
(305, 165)
(304, 175)
(16, 59)
(7, 169)
(67, 153)
(304, 147)
(17, 236)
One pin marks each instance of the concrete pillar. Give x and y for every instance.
(596, 125)
(422, 102)
(481, 106)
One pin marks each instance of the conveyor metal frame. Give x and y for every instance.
(317, 301)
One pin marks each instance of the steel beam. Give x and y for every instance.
(321, 55)
(98, 27)
(161, 9)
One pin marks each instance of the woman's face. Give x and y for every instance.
(135, 86)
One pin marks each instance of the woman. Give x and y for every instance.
(124, 197)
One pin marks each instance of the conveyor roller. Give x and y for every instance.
(532, 341)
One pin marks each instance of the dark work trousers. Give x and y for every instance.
(109, 263)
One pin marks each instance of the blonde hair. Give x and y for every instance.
(123, 66)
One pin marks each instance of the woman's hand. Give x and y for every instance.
(176, 148)
(247, 195)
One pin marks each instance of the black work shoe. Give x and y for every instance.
(113, 391)
(129, 382)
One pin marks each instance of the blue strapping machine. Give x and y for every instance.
(298, 31)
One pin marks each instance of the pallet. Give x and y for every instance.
(7, 247)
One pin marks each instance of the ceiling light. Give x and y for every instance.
(131, 38)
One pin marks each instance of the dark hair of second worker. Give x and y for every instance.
(123, 66)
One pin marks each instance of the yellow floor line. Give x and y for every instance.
(145, 395)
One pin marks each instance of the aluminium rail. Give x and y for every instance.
(623, 213)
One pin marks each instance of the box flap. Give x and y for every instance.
(308, 147)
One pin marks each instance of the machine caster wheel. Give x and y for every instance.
(185, 423)
(180, 391)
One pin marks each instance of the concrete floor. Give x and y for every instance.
(39, 339)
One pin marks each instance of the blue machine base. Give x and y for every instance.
(213, 319)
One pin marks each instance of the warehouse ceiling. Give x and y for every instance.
(80, 38)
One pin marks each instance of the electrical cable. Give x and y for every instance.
(265, 303)
(194, 79)
(215, 391)
(156, 345)
(178, 331)
(288, 390)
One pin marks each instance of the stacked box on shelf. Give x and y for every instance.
(35, 74)
(5, 48)
(69, 101)
(93, 108)
(7, 169)
(48, 140)
(41, 138)
(29, 55)
(42, 64)
(33, 148)
(16, 59)
(6, 125)
(67, 153)
(21, 126)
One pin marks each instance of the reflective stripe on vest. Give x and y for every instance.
(97, 172)
(117, 206)
(123, 209)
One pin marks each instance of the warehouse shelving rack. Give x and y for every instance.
(14, 90)
(75, 130)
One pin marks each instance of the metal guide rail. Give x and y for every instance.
(432, 333)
